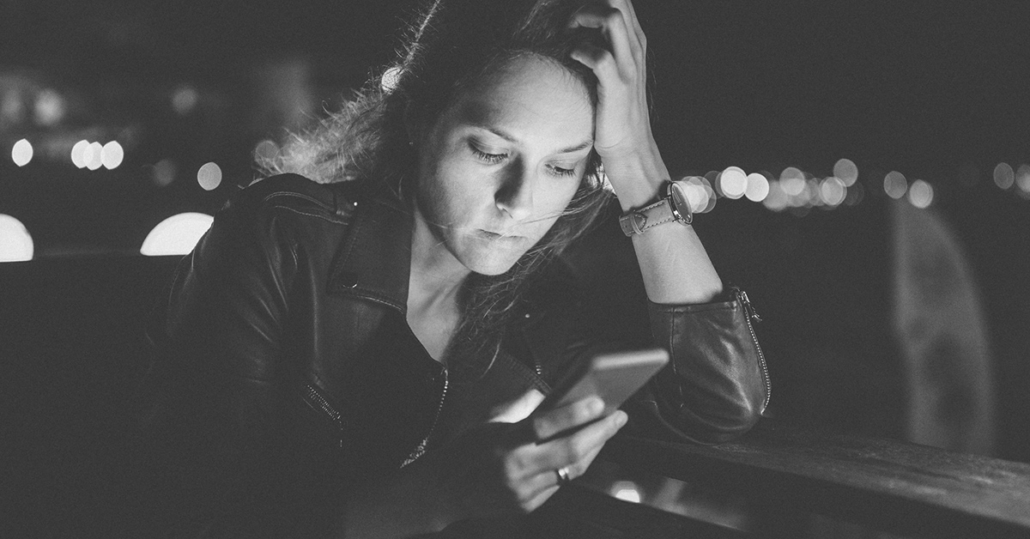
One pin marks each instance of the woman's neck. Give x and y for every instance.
(436, 276)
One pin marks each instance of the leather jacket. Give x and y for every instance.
(287, 374)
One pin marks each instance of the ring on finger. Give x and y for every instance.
(563, 475)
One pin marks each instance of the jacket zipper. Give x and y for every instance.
(749, 315)
(327, 408)
(420, 449)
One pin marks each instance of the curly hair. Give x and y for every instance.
(451, 45)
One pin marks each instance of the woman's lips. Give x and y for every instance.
(498, 236)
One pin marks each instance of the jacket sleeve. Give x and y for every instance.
(216, 428)
(716, 385)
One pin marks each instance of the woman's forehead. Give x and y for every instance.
(529, 97)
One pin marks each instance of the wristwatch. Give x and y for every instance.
(672, 207)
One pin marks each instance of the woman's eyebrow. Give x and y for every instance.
(508, 137)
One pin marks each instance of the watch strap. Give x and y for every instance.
(637, 221)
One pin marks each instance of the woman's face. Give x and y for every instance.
(501, 164)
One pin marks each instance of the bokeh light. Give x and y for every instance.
(1004, 176)
(15, 240)
(855, 195)
(94, 156)
(697, 196)
(1023, 179)
(846, 170)
(185, 99)
(733, 182)
(164, 173)
(832, 191)
(793, 181)
(390, 78)
(920, 194)
(209, 176)
(777, 199)
(50, 108)
(626, 491)
(79, 153)
(21, 153)
(710, 193)
(266, 150)
(176, 235)
(757, 187)
(111, 155)
(895, 184)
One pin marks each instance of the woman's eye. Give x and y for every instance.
(559, 171)
(492, 158)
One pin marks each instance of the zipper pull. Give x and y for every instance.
(746, 303)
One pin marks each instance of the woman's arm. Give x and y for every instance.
(717, 385)
(674, 264)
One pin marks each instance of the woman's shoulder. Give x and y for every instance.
(297, 195)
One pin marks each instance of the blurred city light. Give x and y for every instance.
(1004, 177)
(920, 194)
(209, 176)
(93, 156)
(697, 196)
(185, 99)
(15, 240)
(163, 173)
(21, 153)
(111, 155)
(777, 199)
(757, 187)
(79, 153)
(793, 181)
(710, 193)
(895, 184)
(1023, 179)
(626, 491)
(266, 150)
(733, 182)
(855, 195)
(832, 191)
(50, 108)
(390, 78)
(847, 171)
(176, 235)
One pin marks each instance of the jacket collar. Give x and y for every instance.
(375, 261)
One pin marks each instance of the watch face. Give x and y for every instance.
(680, 204)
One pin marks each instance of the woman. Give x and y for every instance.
(357, 355)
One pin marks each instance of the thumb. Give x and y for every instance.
(516, 410)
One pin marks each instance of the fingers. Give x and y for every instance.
(518, 409)
(576, 447)
(631, 15)
(561, 419)
(626, 46)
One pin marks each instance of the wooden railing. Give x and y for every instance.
(788, 474)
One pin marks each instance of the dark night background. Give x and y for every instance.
(937, 91)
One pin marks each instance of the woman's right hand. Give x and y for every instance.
(494, 469)
(502, 468)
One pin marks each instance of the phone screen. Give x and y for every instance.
(613, 377)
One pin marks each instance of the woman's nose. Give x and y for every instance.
(514, 196)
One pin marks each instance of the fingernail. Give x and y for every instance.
(595, 406)
(621, 419)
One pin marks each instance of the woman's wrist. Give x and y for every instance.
(637, 179)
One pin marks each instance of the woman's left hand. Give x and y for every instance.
(622, 129)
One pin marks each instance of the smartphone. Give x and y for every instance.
(613, 377)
